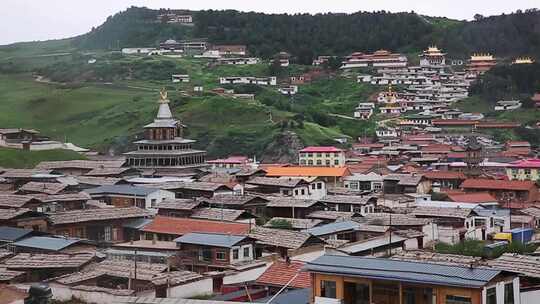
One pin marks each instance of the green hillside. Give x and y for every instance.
(11, 158)
(103, 105)
(307, 36)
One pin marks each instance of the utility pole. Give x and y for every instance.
(135, 268)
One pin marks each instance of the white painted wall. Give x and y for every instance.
(530, 297)
(241, 256)
(64, 293)
(157, 197)
(192, 289)
(500, 292)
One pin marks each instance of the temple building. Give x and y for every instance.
(432, 57)
(380, 58)
(480, 63)
(163, 146)
(523, 60)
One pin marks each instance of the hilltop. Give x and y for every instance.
(104, 105)
(306, 36)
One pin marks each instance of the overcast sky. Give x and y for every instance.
(26, 20)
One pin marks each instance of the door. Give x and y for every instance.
(356, 293)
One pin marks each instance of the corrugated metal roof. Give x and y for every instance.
(121, 189)
(210, 239)
(46, 243)
(404, 271)
(333, 228)
(137, 223)
(12, 234)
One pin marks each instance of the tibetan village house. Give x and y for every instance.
(346, 279)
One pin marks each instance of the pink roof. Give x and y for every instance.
(321, 149)
(526, 163)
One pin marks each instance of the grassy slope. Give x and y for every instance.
(99, 116)
(11, 158)
(85, 116)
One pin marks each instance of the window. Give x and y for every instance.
(319, 154)
(491, 222)
(509, 293)
(336, 162)
(79, 232)
(527, 171)
(220, 255)
(457, 300)
(205, 255)
(235, 254)
(153, 203)
(107, 233)
(328, 162)
(313, 186)
(310, 162)
(303, 192)
(296, 192)
(479, 222)
(319, 162)
(491, 296)
(319, 185)
(302, 162)
(327, 154)
(246, 252)
(328, 289)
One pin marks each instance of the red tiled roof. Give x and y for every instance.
(358, 146)
(444, 175)
(493, 125)
(497, 184)
(454, 122)
(441, 148)
(457, 155)
(321, 149)
(280, 273)
(181, 226)
(525, 163)
(518, 143)
(421, 137)
(479, 197)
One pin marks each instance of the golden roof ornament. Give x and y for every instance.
(163, 96)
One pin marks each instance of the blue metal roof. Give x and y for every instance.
(46, 243)
(296, 296)
(404, 271)
(12, 234)
(332, 228)
(121, 189)
(211, 239)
